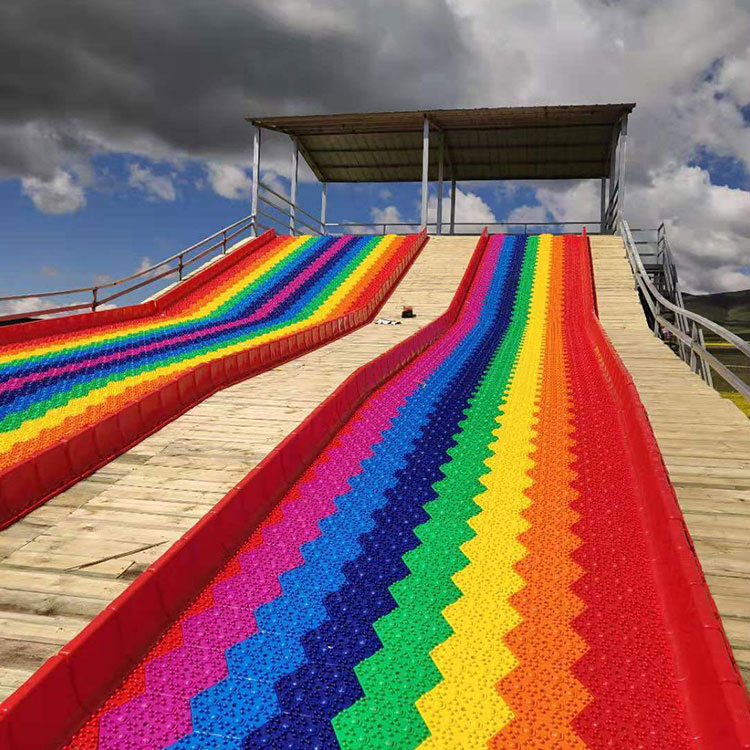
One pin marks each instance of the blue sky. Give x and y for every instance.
(119, 227)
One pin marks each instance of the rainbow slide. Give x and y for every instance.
(487, 554)
(75, 392)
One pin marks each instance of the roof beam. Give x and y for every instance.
(467, 147)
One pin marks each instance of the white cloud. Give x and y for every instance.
(735, 77)
(229, 181)
(688, 84)
(156, 187)
(19, 306)
(471, 209)
(386, 215)
(61, 194)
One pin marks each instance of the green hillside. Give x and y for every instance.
(728, 309)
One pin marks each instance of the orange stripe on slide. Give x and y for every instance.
(542, 691)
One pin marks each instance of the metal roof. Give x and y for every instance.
(503, 143)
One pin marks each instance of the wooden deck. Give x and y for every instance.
(64, 562)
(705, 441)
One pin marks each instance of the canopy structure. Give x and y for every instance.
(503, 143)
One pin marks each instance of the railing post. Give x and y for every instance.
(323, 207)
(293, 196)
(179, 267)
(621, 170)
(439, 217)
(94, 301)
(256, 179)
(453, 203)
(224, 242)
(425, 168)
(693, 342)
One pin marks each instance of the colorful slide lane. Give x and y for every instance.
(71, 400)
(487, 554)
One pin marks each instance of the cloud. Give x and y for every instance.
(23, 306)
(156, 187)
(58, 195)
(386, 215)
(144, 265)
(229, 181)
(472, 212)
(49, 271)
(97, 78)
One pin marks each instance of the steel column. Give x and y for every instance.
(439, 218)
(453, 206)
(603, 206)
(425, 168)
(256, 179)
(323, 207)
(621, 169)
(293, 194)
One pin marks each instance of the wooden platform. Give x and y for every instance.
(705, 441)
(63, 563)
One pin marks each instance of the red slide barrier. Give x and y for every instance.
(708, 676)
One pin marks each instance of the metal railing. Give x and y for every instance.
(468, 227)
(284, 215)
(274, 211)
(102, 294)
(612, 214)
(690, 334)
(656, 254)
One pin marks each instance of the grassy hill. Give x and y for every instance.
(731, 310)
(728, 309)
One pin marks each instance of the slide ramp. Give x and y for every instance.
(76, 391)
(488, 552)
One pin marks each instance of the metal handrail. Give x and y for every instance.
(415, 224)
(697, 352)
(288, 202)
(226, 234)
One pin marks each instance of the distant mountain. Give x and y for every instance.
(728, 309)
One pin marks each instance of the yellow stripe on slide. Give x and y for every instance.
(465, 710)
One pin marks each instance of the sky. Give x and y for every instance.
(122, 132)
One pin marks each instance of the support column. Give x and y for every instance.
(293, 195)
(453, 206)
(621, 170)
(256, 178)
(439, 218)
(603, 207)
(612, 173)
(323, 207)
(425, 168)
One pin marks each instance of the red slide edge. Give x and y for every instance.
(50, 706)
(32, 483)
(712, 688)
